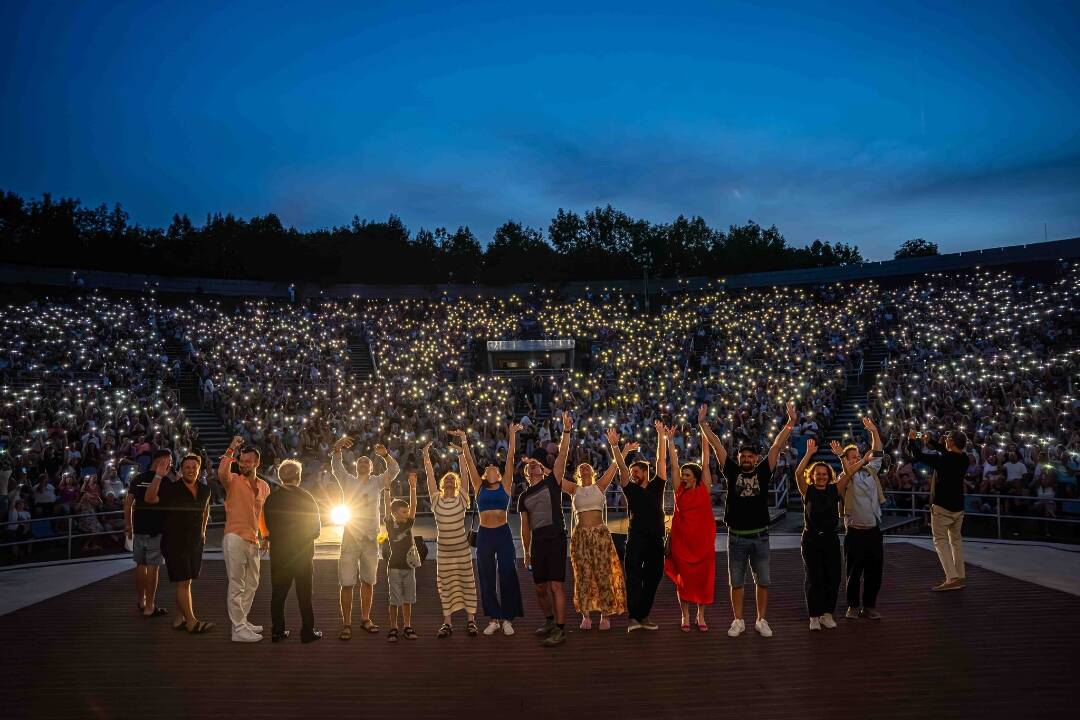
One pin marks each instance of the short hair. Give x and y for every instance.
(808, 473)
(191, 456)
(643, 464)
(251, 450)
(289, 471)
(158, 454)
(398, 503)
(960, 439)
(849, 447)
(750, 448)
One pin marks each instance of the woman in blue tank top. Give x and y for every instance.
(500, 592)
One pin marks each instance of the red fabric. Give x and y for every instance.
(692, 563)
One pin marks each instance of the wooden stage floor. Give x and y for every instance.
(1001, 648)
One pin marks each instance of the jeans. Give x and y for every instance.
(821, 566)
(644, 566)
(865, 554)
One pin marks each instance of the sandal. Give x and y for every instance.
(410, 634)
(346, 633)
(369, 626)
(471, 629)
(702, 627)
(392, 635)
(444, 631)
(201, 627)
(158, 612)
(181, 626)
(685, 627)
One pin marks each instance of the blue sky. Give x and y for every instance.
(959, 123)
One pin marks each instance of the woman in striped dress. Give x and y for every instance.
(454, 574)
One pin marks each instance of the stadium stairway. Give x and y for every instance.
(361, 360)
(845, 424)
(213, 436)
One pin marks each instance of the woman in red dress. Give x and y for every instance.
(691, 564)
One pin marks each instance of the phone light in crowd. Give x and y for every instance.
(340, 515)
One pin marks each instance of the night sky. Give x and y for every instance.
(957, 123)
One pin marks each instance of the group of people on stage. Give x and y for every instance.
(167, 521)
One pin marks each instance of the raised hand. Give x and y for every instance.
(460, 434)
(515, 428)
(659, 425)
(837, 448)
(792, 416)
(412, 481)
(612, 436)
(632, 447)
(567, 420)
(380, 449)
(811, 447)
(236, 443)
(427, 450)
(869, 424)
(912, 434)
(703, 414)
(342, 442)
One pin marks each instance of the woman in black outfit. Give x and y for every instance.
(821, 493)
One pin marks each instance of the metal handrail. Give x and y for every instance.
(914, 510)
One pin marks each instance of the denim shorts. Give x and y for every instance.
(146, 549)
(748, 551)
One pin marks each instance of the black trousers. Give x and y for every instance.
(643, 565)
(282, 576)
(821, 567)
(864, 551)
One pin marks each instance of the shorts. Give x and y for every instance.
(146, 549)
(183, 563)
(743, 551)
(359, 562)
(402, 584)
(548, 558)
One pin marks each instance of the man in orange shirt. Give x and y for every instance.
(245, 494)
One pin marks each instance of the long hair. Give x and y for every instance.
(577, 473)
(808, 473)
(694, 469)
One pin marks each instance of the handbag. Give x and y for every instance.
(412, 558)
(667, 545)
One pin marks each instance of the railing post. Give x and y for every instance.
(69, 536)
(999, 516)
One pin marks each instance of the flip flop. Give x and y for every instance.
(181, 626)
(201, 627)
(158, 612)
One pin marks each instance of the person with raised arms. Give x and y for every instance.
(820, 543)
(454, 575)
(496, 564)
(359, 559)
(747, 519)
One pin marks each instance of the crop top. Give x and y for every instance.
(488, 499)
(589, 497)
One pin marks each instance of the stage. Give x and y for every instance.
(1000, 648)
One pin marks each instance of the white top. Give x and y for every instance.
(588, 497)
(362, 497)
(866, 510)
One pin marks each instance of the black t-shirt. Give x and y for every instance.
(146, 519)
(292, 518)
(182, 513)
(821, 511)
(646, 507)
(542, 503)
(400, 538)
(947, 489)
(748, 496)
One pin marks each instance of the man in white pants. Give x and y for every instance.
(359, 549)
(245, 494)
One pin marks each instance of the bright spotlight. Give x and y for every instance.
(340, 515)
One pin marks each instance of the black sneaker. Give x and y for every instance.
(557, 637)
(278, 637)
(546, 629)
(311, 637)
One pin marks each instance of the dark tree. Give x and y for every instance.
(916, 248)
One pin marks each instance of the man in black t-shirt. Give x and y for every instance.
(946, 501)
(747, 517)
(142, 525)
(643, 559)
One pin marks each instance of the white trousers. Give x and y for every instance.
(945, 527)
(242, 568)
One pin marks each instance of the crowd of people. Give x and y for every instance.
(90, 392)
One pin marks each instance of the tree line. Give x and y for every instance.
(601, 244)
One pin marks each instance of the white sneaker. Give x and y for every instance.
(257, 629)
(246, 635)
(827, 621)
(815, 624)
(508, 629)
(762, 626)
(492, 627)
(738, 625)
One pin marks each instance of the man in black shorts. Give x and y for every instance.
(185, 505)
(543, 537)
